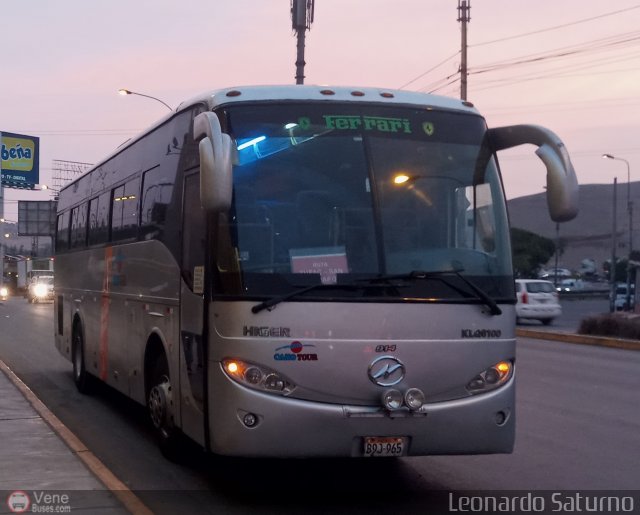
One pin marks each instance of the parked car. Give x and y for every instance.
(560, 273)
(537, 300)
(40, 288)
(570, 285)
(620, 300)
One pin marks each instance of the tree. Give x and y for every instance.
(530, 252)
(621, 268)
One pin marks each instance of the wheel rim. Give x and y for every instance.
(77, 358)
(158, 400)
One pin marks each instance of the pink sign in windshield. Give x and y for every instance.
(326, 261)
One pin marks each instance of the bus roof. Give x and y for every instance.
(242, 94)
(325, 93)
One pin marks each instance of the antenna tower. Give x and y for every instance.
(301, 18)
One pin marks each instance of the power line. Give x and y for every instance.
(584, 20)
(598, 45)
(430, 69)
(556, 27)
(565, 70)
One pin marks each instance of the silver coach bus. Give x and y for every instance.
(304, 271)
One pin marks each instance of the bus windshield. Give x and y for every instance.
(336, 194)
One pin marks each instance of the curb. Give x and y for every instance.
(581, 339)
(121, 491)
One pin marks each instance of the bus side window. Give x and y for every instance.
(156, 196)
(79, 226)
(99, 218)
(124, 211)
(62, 232)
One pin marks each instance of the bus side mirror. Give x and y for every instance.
(562, 184)
(216, 180)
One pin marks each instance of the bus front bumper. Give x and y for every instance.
(286, 427)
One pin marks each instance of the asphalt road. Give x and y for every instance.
(573, 311)
(578, 427)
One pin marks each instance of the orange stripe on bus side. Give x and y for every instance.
(104, 315)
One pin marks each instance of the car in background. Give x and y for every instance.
(538, 300)
(40, 289)
(555, 273)
(620, 300)
(567, 285)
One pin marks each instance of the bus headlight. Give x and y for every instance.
(257, 377)
(4, 291)
(491, 378)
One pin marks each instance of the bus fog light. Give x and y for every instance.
(414, 399)
(250, 420)
(392, 400)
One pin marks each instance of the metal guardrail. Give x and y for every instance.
(584, 294)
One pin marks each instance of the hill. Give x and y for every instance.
(589, 234)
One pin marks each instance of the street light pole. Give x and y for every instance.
(129, 92)
(614, 242)
(630, 214)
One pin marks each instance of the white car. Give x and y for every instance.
(537, 300)
(620, 300)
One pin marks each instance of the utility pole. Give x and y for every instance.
(464, 16)
(612, 269)
(301, 19)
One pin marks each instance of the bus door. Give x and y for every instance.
(192, 355)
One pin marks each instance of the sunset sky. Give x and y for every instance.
(570, 65)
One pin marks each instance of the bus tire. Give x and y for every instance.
(81, 377)
(160, 408)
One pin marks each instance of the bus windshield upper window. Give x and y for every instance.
(343, 192)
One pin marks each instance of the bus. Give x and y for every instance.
(301, 271)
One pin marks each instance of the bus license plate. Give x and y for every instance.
(378, 446)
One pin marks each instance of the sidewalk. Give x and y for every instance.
(37, 464)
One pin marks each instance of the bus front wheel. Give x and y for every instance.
(161, 408)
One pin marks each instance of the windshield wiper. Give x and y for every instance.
(269, 303)
(439, 276)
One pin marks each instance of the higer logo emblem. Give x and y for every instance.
(386, 371)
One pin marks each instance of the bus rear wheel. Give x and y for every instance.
(161, 408)
(81, 377)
